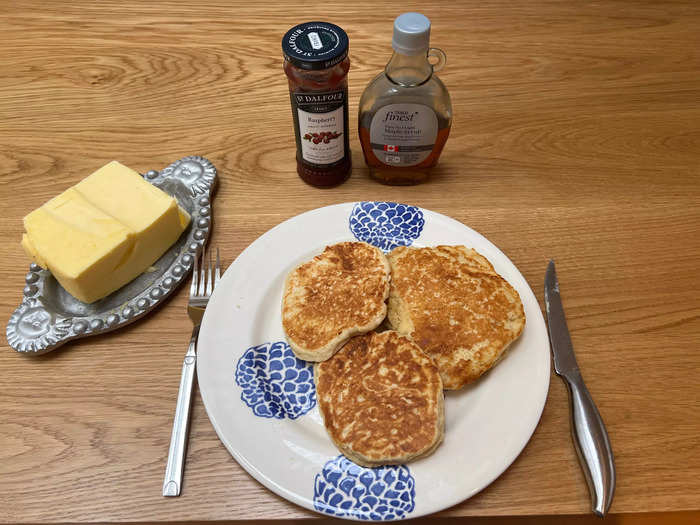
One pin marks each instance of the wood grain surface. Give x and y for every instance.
(576, 137)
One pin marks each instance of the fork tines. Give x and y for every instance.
(203, 282)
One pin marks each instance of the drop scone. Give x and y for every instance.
(454, 305)
(381, 399)
(338, 294)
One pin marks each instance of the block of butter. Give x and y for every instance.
(103, 232)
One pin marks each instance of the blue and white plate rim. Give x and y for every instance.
(244, 311)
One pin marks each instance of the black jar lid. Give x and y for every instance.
(315, 45)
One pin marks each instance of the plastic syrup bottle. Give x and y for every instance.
(405, 112)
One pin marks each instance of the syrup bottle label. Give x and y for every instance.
(321, 126)
(403, 134)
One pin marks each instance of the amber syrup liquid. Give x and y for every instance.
(401, 175)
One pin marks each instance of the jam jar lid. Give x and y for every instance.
(315, 45)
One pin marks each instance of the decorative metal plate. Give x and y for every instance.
(50, 317)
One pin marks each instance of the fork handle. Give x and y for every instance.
(178, 439)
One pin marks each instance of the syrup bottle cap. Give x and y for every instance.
(411, 34)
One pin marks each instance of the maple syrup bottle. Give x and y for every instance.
(405, 112)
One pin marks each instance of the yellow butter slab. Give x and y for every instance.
(103, 232)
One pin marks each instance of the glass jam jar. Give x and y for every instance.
(316, 63)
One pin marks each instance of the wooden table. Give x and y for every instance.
(576, 137)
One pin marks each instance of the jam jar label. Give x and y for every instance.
(403, 134)
(321, 120)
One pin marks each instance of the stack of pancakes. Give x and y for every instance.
(381, 394)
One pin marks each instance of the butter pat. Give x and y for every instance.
(103, 232)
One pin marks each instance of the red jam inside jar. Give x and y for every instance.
(316, 64)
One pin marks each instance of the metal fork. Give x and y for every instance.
(202, 286)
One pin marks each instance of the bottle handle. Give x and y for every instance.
(441, 57)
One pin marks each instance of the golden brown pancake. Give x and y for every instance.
(453, 304)
(381, 400)
(340, 293)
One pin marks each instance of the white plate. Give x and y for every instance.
(278, 436)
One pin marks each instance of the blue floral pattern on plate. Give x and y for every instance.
(275, 383)
(344, 489)
(386, 225)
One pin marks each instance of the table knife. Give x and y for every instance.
(590, 437)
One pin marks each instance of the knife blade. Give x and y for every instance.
(590, 436)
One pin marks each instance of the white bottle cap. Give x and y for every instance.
(411, 34)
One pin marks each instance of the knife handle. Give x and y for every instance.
(592, 444)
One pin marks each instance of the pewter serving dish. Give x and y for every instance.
(50, 317)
